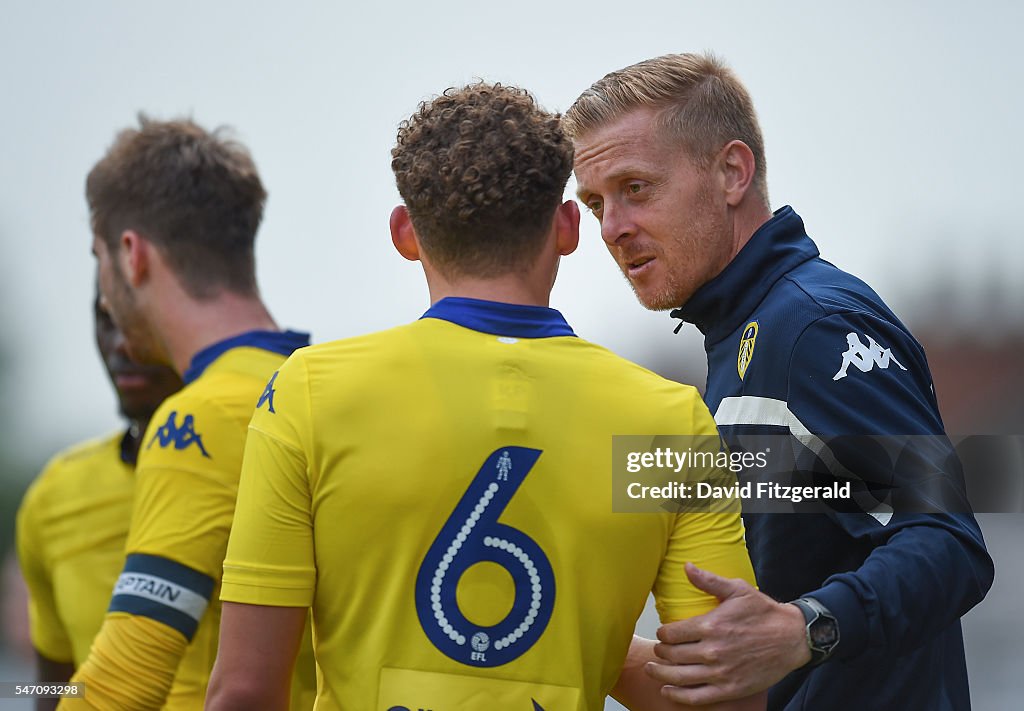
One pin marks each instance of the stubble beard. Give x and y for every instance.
(124, 308)
(664, 299)
(691, 263)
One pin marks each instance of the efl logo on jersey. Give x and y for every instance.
(181, 437)
(865, 357)
(746, 348)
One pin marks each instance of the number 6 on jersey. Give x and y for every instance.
(472, 535)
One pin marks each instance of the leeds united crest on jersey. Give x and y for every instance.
(746, 348)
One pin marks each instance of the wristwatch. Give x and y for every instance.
(822, 629)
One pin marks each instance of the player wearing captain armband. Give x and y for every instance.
(441, 493)
(73, 520)
(175, 210)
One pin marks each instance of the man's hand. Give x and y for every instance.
(743, 646)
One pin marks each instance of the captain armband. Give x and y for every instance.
(162, 590)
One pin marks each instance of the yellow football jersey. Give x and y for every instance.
(441, 494)
(186, 483)
(71, 530)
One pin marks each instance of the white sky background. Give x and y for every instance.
(892, 128)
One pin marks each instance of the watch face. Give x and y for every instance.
(824, 632)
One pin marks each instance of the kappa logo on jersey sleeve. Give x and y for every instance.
(865, 357)
(268, 394)
(181, 436)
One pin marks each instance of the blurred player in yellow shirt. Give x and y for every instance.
(441, 492)
(73, 521)
(175, 210)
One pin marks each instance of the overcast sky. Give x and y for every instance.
(892, 128)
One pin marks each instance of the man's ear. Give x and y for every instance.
(403, 235)
(567, 227)
(134, 256)
(738, 170)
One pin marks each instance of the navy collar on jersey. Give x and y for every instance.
(719, 307)
(501, 319)
(283, 342)
(127, 446)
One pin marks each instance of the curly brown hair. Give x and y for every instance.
(195, 194)
(482, 170)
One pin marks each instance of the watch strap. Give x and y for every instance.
(818, 619)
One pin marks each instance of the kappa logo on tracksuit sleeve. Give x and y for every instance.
(865, 356)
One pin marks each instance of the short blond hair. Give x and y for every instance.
(700, 102)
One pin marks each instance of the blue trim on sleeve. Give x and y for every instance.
(501, 319)
(140, 607)
(162, 590)
(283, 342)
(197, 582)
